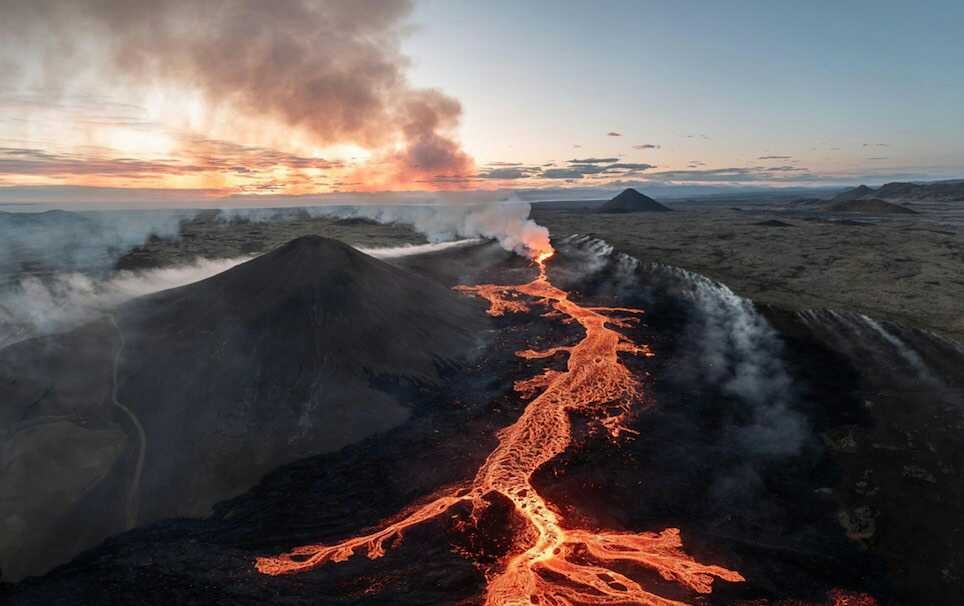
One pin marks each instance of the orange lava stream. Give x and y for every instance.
(560, 567)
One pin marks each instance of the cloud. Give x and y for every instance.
(613, 133)
(506, 173)
(646, 146)
(593, 160)
(197, 156)
(332, 70)
(562, 173)
(737, 175)
(595, 167)
(775, 158)
(630, 166)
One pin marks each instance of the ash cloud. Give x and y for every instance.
(333, 69)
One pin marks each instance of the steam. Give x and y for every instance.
(737, 350)
(38, 306)
(330, 69)
(742, 354)
(90, 241)
(507, 222)
(391, 252)
(41, 306)
(862, 337)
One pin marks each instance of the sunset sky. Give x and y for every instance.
(246, 97)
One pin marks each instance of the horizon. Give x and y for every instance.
(180, 104)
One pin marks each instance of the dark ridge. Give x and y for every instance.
(873, 206)
(856, 193)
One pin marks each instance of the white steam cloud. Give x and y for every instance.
(36, 306)
(742, 354)
(507, 222)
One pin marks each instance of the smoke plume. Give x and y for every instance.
(332, 69)
(507, 222)
(740, 352)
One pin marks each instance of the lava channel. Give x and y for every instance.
(554, 565)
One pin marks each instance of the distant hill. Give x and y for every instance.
(631, 201)
(856, 193)
(869, 206)
(301, 351)
(946, 191)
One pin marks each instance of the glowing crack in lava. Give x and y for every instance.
(554, 565)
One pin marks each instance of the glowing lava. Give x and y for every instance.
(559, 566)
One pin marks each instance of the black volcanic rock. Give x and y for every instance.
(301, 351)
(631, 201)
(873, 206)
(773, 223)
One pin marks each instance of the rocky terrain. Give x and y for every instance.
(904, 268)
(181, 399)
(817, 454)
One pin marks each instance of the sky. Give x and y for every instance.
(176, 99)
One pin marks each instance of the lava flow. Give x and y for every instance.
(554, 565)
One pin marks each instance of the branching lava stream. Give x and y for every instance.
(560, 566)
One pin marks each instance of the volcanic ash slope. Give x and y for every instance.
(303, 350)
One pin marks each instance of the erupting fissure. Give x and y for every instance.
(554, 565)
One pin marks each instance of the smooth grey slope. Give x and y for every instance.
(303, 350)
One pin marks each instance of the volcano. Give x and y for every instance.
(644, 436)
(183, 398)
(631, 201)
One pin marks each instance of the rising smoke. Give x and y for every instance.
(736, 349)
(741, 353)
(507, 222)
(36, 306)
(90, 241)
(331, 69)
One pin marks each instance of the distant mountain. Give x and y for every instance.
(188, 396)
(946, 191)
(870, 206)
(856, 193)
(631, 201)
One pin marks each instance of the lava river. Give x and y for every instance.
(551, 564)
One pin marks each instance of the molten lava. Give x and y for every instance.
(559, 566)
